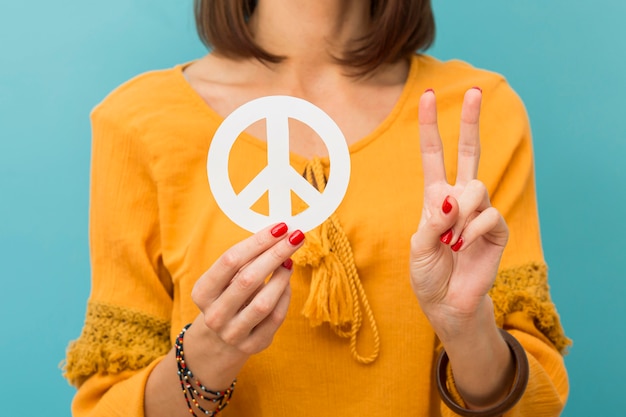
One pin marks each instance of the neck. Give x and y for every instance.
(309, 33)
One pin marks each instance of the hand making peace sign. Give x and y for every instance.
(456, 250)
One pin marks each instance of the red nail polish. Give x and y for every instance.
(446, 237)
(429, 90)
(279, 230)
(457, 245)
(288, 264)
(296, 238)
(446, 207)
(478, 88)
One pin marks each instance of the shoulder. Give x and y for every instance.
(454, 72)
(143, 99)
(451, 79)
(504, 125)
(502, 107)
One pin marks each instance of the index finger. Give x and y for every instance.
(228, 265)
(430, 140)
(469, 137)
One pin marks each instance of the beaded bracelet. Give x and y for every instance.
(185, 376)
(515, 394)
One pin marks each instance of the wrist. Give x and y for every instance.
(215, 362)
(461, 327)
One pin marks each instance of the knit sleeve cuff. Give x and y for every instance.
(525, 289)
(115, 339)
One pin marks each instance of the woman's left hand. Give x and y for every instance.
(457, 248)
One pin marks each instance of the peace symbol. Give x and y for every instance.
(278, 178)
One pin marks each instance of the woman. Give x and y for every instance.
(363, 314)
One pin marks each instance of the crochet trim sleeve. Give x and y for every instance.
(115, 339)
(525, 289)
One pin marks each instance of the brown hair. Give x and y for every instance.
(398, 28)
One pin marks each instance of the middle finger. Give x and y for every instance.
(469, 137)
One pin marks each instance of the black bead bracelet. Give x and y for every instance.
(188, 384)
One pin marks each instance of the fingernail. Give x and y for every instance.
(279, 230)
(288, 264)
(478, 88)
(446, 237)
(446, 207)
(296, 237)
(429, 90)
(457, 245)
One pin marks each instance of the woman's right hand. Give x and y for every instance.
(241, 309)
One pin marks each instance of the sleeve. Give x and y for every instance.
(127, 326)
(520, 294)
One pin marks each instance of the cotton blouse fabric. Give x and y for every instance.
(155, 228)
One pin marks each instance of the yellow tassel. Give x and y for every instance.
(330, 299)
(336, 295)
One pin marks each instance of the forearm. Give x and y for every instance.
(480, 359)
(214, 368)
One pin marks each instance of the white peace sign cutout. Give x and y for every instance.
(278, 178)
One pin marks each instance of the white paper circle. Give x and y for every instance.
(278, 178)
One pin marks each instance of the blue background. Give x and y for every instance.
(566, 59)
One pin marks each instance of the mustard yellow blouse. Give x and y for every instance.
(155, 228)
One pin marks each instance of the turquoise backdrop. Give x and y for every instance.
(566, 59)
